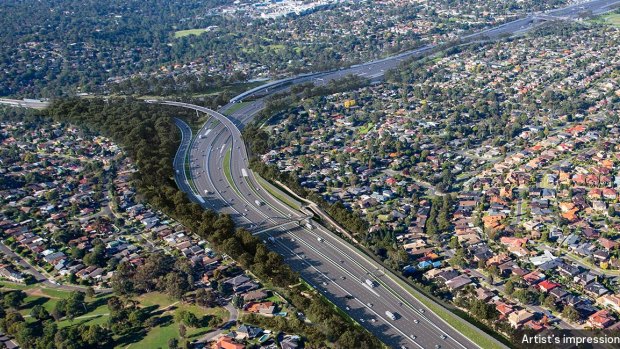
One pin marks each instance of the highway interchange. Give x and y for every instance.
(327, 262)
(331, 265)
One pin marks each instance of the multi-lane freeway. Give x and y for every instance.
(375, 70)
(223, 181)
(328, 263)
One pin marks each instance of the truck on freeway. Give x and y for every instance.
(371, 283)
(391, 315)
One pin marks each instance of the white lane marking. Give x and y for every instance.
(371, 290)
(324, 290)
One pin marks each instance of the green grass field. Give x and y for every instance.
(277, 194)
(226, 166)
(235, 107)
(227, 173)
(366, 128)
(613, 19)
(166, 308)
(188, 32)
(48, 298)
(454, 320)
(610, 19)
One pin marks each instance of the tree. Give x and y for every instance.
(570, 313)
(14, 299)
(173, 343)
(90, 292)
(483, 310)
(39, 313)
(509, 287)
(549, 302)
(237, 301)
(204, 297)
(122, 280)
(176, 285)
(96, 257)
(75, 304)
(524, 296)
(96, 336)
(187, 318)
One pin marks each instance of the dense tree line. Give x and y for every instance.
(43, 332)
(147, 134)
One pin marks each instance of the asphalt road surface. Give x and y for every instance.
(375, 70)
(328, 263)
(220, 173)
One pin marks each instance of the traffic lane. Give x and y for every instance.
(214, 158)
(251, 194)
(396, 305)
(229, 191)
(597, 5)
(316, 272)
(179, 159)
(246, 114)
(383, 299)
(377, 298)
(437, 323)
(336, 292)
(405, 313)
(217, 199)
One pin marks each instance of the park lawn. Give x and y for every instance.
(88, 319)
(155, 299)
(188, 32)
(32, 300)
(612, 19)
(48, 298)
(55, 293)
(159, 336)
